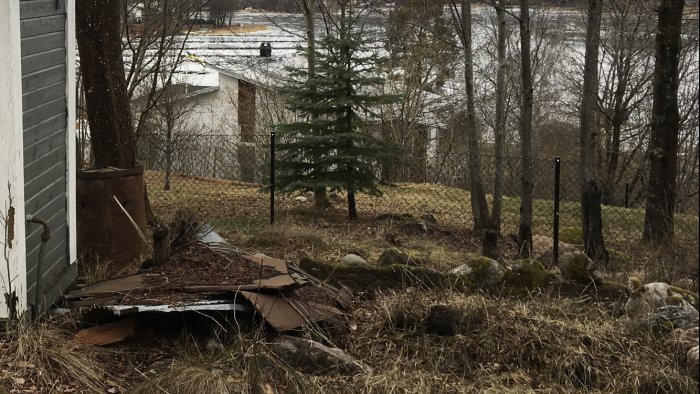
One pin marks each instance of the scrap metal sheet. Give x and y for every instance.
(285, 314)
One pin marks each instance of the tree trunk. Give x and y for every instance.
(591, 192)
(102, 69)
(480, 209)
(478, 197)
(665, 125)
(320, 194)
(500, 121)
(525, 226)
(352, 206)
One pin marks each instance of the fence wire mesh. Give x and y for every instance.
(227, 179)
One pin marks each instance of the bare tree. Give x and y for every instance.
(222, 11)
(422, 56)
(500, 117)
(155, 51)
(102, 69)
(171, 127)
(591, 214)
(526, 157)
(479, 204)
(626, 68)
(665, 125)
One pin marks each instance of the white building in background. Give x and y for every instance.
(226, 116)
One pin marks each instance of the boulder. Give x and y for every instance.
(649, 297)
(646, 298)
(314, 358)
(577, 267)
(428, 218)
(542, 248)
(524, 276)
(393, 256)
(686, 337)
(353, 259)
(481, 273)
(669, 317)
(692, 360)
(442, 320)
(367, 277)
(407, 223)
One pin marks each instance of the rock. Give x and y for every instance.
(686, 337)
(481, 273)
(577, 267)
(692, 360)
(685, 283)
(542, 248)
(646, 298)
(353, 259)
(366, 277)
(407, 223)
(668, 317)
(415, 227)
(301, 199)
(442, 320)
(315, 358)
(393, 256)
(524, 276)
(428, 218)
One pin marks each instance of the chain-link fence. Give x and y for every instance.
(226, 178)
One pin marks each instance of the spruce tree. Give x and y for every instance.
(331, 144)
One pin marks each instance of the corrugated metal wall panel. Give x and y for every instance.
(45, 120)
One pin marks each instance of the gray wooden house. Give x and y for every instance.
(37, 152)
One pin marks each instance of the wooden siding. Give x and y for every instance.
(44, 116)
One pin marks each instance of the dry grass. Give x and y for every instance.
(44, 357)
(241, 211)
(539, 344)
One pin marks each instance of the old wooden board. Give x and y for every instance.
(108, 333)
(284, 313)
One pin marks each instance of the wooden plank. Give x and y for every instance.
(40, 8)
(47, 110)
(52, 171)
(58, 229)
(54, 261)
(44, 128)
(33, 169)
(43, 43)
(48, 93)
(53, 268)
(42, 60)
(42, 78)
(63, 281)
(35, 151)
(54, 190)
(54, 256)
(107, 334)
(42, 25)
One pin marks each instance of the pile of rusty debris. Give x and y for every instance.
(206, 274)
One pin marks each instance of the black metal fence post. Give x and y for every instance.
(272, 177)
(555, 225)
(627, 195)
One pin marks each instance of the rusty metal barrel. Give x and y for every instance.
(105, 232)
